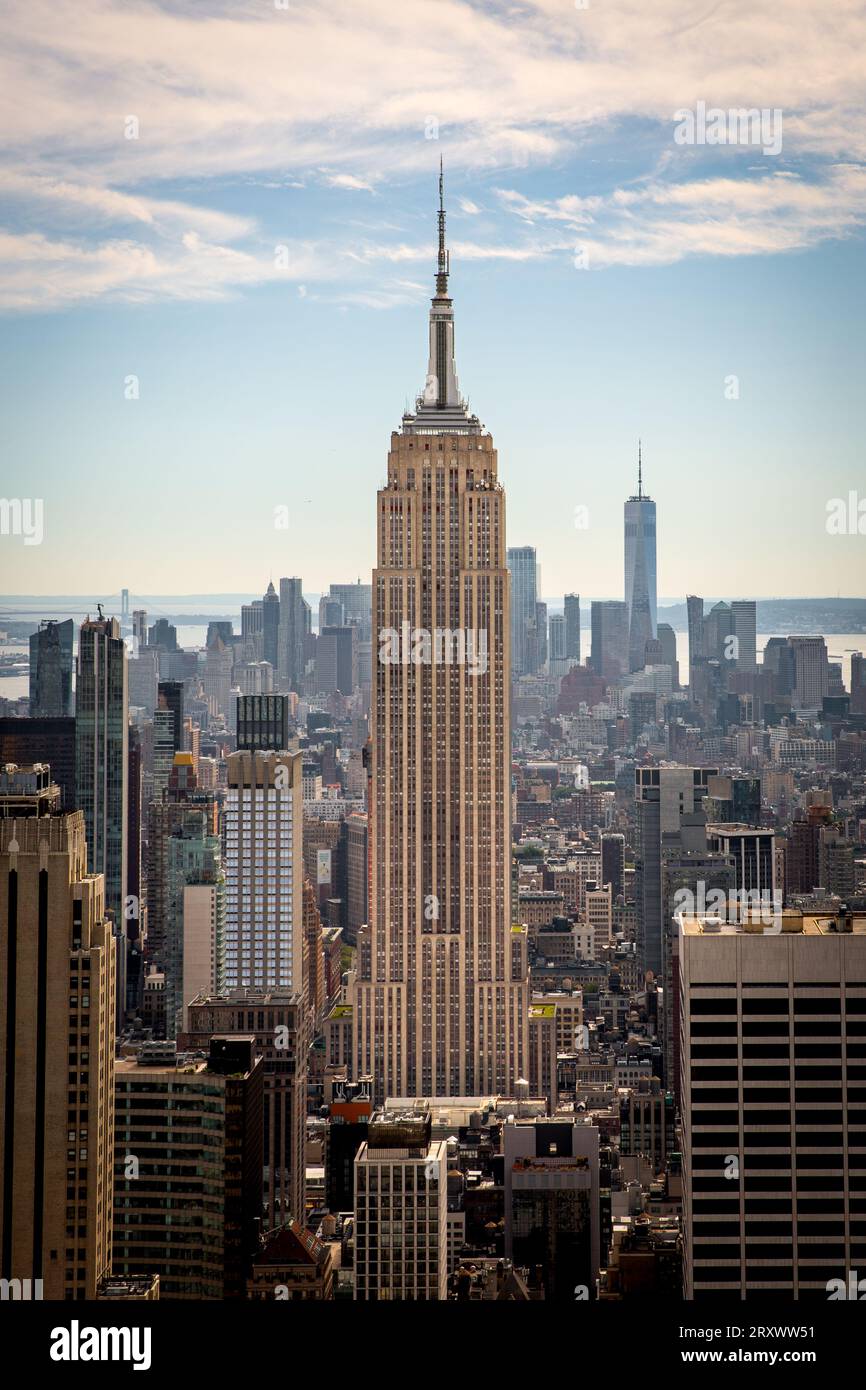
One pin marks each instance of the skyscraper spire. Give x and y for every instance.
(443, 265)
(639, 473)
(440, 406)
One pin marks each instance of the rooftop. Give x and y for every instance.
(792, 923)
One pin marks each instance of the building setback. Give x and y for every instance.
(441, 1004)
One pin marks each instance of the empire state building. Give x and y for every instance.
(441, 989)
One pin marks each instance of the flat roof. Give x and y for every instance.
(792, 922)
(542, 1010)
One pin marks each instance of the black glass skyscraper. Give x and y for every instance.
(51, 670)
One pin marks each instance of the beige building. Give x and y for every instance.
(570, 1036)
(599, 917)
(57, 1021)
(542, 1053)
(441, 1002)
(201, 917)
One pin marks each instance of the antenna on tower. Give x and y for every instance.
(639, 473)
(444, 263)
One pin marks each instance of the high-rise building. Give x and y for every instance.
(101, 762)
(135, 917)
(540, 657)
(170, 697)
(811, 673)
(139, 629)
(441, 989)
(271, 627)
(663, 795)
(613, 862)
(858, 683)
(252, 619)
(51, 670)
(668, 641)
(330, 612)
(802, 861)
(609, 652)
(718, 627)
(753, 853)
(744, 614)
(773, 1105)
(356, 601)
(195, 915)
(264, 871)
(189, 1204)
(599, 917)
(734, 800)
(52, 741)
(640, 570)
(687, 867)
(143, 679)
(263, 722)
(779, 661)
(695, 607)
(836, 868)
(163, 749)
(163, 635)
(572, 628)
(552, 1207)
(558, 663)
(522, 567)
(290, 645)
(216, 674)
(278, 1021)
(182, 798)
(647, 1122)
(642, 710)
(57, 1021)
(337, 660)
(402, 1255)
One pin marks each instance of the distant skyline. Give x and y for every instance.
(230, 210)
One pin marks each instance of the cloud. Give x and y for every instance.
(659, 223)
(347, 181)
(41, 273)
(333, 95)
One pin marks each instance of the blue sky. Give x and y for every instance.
(271, 377)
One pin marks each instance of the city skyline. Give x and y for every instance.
(442, 913)
(249, 283)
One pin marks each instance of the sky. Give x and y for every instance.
(217, 247)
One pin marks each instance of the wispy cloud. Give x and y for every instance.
(658, 223)
(329, 94)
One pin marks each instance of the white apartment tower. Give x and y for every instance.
(264, 870)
